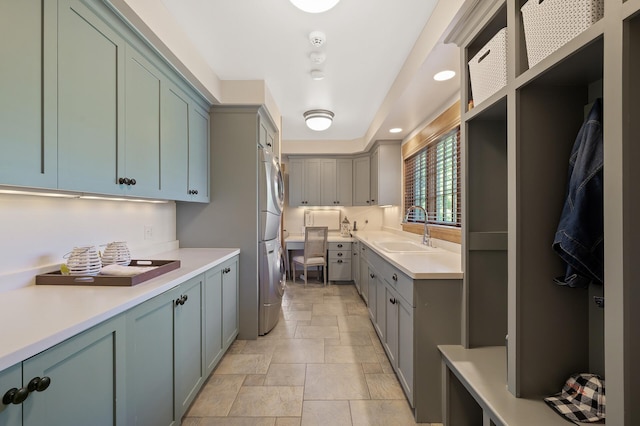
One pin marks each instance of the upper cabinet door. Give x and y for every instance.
(296, 182)
(90, 97)
(198, 185)
(29, 154)
(327, 182)
(361, 181)
(142, 127)
(174, 146)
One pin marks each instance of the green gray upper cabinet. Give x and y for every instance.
(174, 137)
(198, 185)
(29, 153)
(11, 378)
(140, 163)
(88, 105)
(90, 94)
(86, 376)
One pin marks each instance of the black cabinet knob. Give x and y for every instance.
(393, 301)
(339, 245)
(132, 181)
(372, 276)
(15, 396)
(339, 260)
(395, 277)
(39, 384)
(180, 300)
(339, 254)
(124, 181)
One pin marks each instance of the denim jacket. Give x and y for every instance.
(579, 239)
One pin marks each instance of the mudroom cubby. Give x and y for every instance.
(516, 149)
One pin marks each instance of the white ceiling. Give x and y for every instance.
(367, 44)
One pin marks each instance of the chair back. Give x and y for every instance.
(315, 241)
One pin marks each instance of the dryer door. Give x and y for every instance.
(277, 186)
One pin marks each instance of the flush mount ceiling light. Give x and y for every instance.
(395, 130)
(318, 119)
(314, 6)
(444, 75)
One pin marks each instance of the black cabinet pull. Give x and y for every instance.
(339, 260)
(192, 192)
(393, 301)
(372, 276)
(124, 181)
(339, 245)
(133, 181)
(395, 277)
(339, 254)
(181, 300)
(18, 396)
(39, 384)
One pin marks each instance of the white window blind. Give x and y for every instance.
(432, 181)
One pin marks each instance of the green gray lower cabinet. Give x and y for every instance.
(11, 378)
(86, 373)
(150, 380)
(230, 300)
(411, 318)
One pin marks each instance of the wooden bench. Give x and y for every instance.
(474, 391)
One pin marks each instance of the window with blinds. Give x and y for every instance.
(432, 181)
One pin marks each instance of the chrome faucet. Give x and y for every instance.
(426, 236)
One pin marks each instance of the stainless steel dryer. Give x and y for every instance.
(272, 281)
(270, 195)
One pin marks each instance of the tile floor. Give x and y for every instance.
(321, 365)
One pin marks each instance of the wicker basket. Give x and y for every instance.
(549, 24)
(488, 68)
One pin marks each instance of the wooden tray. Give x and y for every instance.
(163, 266)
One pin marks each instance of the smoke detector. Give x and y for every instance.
(317, 58)
(317, 38)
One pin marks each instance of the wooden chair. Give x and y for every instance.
(315, 251)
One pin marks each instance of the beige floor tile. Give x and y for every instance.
(335, 382)
(237, 346)
(283, 329)
(264, 401)
(349, 354)
(285, 375)
(375, 341)
(381, 413)
(299, 351)
(354, 323)
(299, 306)
(324, 320)
(323, 413)
(243, 364)
(260, 346)
(357, 308)
(216, 396)
(236, 421)
(317, 332)
(297, 316)
(191, 421)
(289, 421)
(384, 386)
(371, 367)
(254, 380)
(353, 338)
(330, 309)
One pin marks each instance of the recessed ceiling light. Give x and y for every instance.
(314, 6)
(395, 130)
(444, 75)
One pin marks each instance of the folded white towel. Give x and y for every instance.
(125, 271)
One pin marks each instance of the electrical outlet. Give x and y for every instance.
(148, 232)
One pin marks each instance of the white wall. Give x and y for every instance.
(36, 232)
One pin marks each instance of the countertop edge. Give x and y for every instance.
(13, 355)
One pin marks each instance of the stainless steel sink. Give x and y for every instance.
(403, 247)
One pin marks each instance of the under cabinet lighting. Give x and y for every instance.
(133, 200)
(38, 193)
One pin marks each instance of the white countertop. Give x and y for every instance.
(40, 316)
(440, 264)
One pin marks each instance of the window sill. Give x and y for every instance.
(440, 232)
